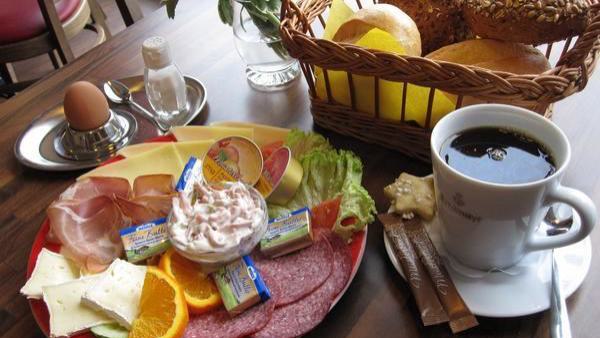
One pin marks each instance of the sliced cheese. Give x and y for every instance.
(68, 315)
(184, 149)
(117, 293)
(263, 134)
(193, 148)
(138, 149)
(162, 160)
(202, 133)
(50, 269)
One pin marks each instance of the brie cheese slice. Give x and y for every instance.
(50, 269)
(68, 316)
(117, 293)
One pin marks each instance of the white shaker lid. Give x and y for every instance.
(156, 53)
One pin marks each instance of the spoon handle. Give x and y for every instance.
(150, 116)
(559, 317)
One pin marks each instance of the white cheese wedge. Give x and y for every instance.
(163, 160)
(184, 149)
(263, 134)
(202, 133)
(68, 316)
(50, 269)
(117, 293)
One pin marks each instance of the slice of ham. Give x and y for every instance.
(145, 208)
(152, 198)
(88, 215)
(88, 230)
(97, 186)
(153, 185)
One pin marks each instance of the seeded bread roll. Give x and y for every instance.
(526, 21)
(440, 22)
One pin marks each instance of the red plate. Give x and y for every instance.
(38, 307)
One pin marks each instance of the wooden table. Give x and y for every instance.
(378, 303)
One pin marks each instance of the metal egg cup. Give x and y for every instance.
(98, 144)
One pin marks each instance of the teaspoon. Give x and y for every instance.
(119, 93)
(558, 221)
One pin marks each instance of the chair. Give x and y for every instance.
(30, 28)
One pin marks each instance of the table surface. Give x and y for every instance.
(379, 302)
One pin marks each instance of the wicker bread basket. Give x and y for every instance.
(569, 75)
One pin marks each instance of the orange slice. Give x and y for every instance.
(163, 312)
(201, 293)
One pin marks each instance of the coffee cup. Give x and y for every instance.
(490, 225)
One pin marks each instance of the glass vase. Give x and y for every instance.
(268, 65)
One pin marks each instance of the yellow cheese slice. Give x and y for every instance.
(137, 149)
(162, 160)
(184, 149)
(193, 148)
(263, 134)
(202, 133)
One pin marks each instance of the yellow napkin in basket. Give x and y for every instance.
(390, 93)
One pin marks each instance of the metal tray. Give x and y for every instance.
(35, 146)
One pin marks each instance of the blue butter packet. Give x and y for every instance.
(192, 172)
(240, 285)
(145, 240)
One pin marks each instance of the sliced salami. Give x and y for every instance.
(298, 318)
(342, 263)
(219, 324)
(299, 273)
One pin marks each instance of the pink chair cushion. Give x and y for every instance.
(22, 20)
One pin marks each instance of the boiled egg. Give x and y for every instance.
(85, 106)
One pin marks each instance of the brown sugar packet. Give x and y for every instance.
(461, 317)
(415, 274)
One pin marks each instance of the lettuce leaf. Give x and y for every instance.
(328, 173)
(301, 143)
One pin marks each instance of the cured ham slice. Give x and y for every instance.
(97, 186)
(153, 185)
(152, 195)
(145, 208)
(87, 217)
(88, 230)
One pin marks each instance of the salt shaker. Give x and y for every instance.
(165, 85)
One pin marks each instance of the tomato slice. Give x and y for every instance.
(268, 149)
(325, 214)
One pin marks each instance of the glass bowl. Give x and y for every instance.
(211, 260)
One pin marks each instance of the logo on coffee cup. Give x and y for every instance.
(456, 205)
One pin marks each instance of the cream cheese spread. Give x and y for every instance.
(219, 219)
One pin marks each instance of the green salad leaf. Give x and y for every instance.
(328, 174)
(301, 143)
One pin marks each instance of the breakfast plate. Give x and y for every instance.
(520, 290)
(39, 310)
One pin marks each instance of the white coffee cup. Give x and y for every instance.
(492, 226)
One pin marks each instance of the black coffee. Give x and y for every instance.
(498, 155)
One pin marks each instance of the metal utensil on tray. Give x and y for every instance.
(558, 221)
(119, 93)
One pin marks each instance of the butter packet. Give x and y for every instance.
(145, 240)
(287, 234)
(192, 172)
(240, 285)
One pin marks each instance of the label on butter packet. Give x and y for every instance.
(287, 234)
(190, 174)
(240, 285)
(145, 240)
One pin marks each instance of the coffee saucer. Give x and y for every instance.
(520, 290)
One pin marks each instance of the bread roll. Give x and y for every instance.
(387, 18)
(440, 22)
(526, 21)
(495, 55)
